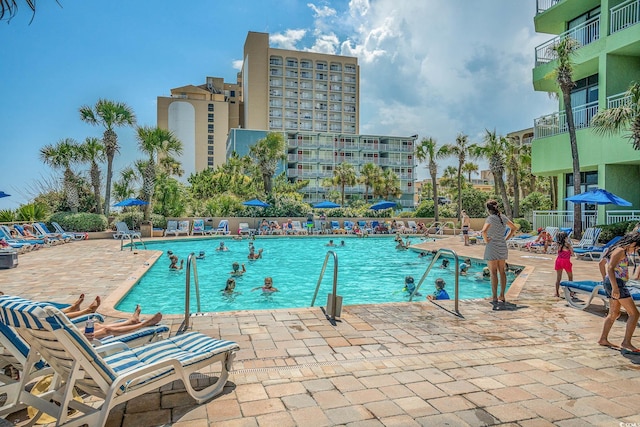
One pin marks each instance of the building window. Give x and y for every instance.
(588, 181)
(210, 139)
(210, 161)
(210, 150)
(210, 128)
(210, 118)
(210, 107)
(233, 94)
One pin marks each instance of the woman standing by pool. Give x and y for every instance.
(496, 252)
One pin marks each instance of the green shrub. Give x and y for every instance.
(80, 222)
(525, 226)
(612, 230)
(32, 212)
(7, 215)
(133, 218)
(158, 221)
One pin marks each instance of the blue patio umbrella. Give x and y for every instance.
(256, 203)
(598, 196)
(131, 202)
(383, 204)
(3, 194)
(327, 204)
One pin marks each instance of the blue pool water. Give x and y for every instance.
(370, 271)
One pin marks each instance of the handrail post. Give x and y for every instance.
(457, 275)
(335, 282)
(187, 292)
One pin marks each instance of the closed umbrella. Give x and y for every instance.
(598, 196)
(383, 204)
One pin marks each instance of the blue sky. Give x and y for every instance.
(431, 67)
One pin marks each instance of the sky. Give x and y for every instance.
(434, 68)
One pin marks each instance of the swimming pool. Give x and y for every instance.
(370, 271)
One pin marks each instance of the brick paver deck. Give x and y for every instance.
(533, 362)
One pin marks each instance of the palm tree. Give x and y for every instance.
(267, 152)
(428, 150)
(154, 142)
(92, 151)
(461, 149)
(564, 76)
(494, 150)
(123, 189)
(61, 156)
(344, 174)
(389, 185)
(108, 114)
(369, 175)
(469, 168)
(625, 116)
(517, 157)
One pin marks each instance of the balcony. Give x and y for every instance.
(556, 123)
(543, 5)
(584, 34)
(624, 15)
(618, 100)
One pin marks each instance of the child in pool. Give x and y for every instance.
(230, 287)
(331, 243)
(409, 285)
(464, 267)
(252, 253)
(200, 255)
(235, 269)
(174, 263)
(222, 247)
(484, 275)
(445, 263)
(440, 293)
(267, 287)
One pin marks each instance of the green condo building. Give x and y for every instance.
(604, 65)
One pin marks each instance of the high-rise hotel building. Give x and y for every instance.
(312, 98)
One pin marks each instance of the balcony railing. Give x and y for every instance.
(556, 123)
(618, 100)
(625, 15)
(584, 34)
(542, 5)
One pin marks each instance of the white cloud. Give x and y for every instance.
(237, 64)
(288, 40)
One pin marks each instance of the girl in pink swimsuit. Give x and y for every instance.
(563, 260)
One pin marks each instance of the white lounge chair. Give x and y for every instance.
(589, 238)
(244, 229)
(123, 232)
(412, 227)
(223, 227)
(297, 228)
(110, 380)
(199, 228)
(74, 235)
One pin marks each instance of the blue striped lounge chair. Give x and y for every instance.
(590, 290)
(223, 227)
(594, 253)
(108, 380)
(14, 352)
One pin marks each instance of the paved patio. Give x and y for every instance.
(533, 363)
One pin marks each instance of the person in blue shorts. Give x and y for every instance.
(440, 293)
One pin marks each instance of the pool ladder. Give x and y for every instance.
(132, 245)
(457, 275)
(334, 302)
(191, 259)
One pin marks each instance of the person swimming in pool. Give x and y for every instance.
(200, 255)
(252, 253)
(330, 243)
(445, 263)
(235, 269)
(267, 287)
(174, 263)
(464, 268)
(440, 293)
(484, 275)
(222, 247)
(409, 285)
(230, 286)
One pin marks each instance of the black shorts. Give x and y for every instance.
(465, 229)
(622, 285)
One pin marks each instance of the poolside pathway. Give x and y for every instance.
(533, 363)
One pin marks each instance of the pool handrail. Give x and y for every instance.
(430, 266)
(187, 309)
(335, 282)
(132, 245)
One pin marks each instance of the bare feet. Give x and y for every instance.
(94, 305)
(153, 320)
(606, 343)
(76, 305)
(135, 318)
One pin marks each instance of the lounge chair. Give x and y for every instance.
(412, 226)
(184, 227)
(589, 238)
(42, 229)
(110, 380)
(199, 228)
(348, 227)
(297, 228)
(590, 290)
(244, 229)
(73, 235)
(123, 232)
(595, 253)
(400, 227)
(5, 233)
(223, 227)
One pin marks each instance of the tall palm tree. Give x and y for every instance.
(517, 156)
(344, 174)
(428, 150)
(461, 149)
(369, 175)
(564, 50)
(92, 151)
(389, 185)
(108, 114)
(469, 168)
(494, 149)
(154, 142)
(61, 156)
(625, 116)
(267, 152)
